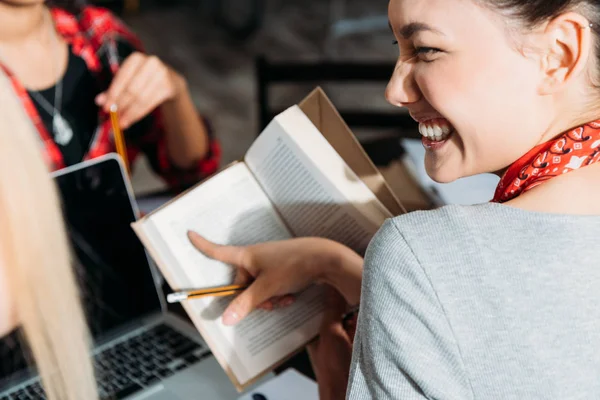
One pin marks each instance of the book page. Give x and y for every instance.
(314, 190)
(327, 119)
(264, 338)
(230, 209)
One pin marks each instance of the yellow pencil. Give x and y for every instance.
(119, 138)
(221, 291)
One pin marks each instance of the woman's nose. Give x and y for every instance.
(402, 88)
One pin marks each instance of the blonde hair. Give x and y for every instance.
(35, 250)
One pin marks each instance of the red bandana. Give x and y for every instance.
(572, 150)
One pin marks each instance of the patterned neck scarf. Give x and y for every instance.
(570, 151)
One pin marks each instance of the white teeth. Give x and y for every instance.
(435, 130)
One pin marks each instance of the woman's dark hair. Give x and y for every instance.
(533, 12)
(73, 6)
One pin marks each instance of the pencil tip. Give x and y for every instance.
(113, 108)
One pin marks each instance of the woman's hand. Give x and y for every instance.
(276, 270)
(142, 83)
(331, 353)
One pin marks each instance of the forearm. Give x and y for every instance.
(332, 392)
(344, 273)
(186, 136)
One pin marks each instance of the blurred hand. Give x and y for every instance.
(274, 270)
(142, 83)
(331, 353)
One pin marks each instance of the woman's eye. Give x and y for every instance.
(429, 51)
(425, 52)
(415, 54)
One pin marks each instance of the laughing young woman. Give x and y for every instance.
(498, 300)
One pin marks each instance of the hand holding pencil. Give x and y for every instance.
(142, 83)
(274, 271)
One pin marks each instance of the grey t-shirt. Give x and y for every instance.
(480, 302)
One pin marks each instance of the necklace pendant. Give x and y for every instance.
(62, 130)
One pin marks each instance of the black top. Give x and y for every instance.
(78, 108)
(12, 354)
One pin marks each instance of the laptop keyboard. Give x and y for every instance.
(134, 364)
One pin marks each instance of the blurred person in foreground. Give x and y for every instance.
(39, 299)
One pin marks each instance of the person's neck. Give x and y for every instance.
(560, 126)
(575, 193)
(578, 107)
(20, 22)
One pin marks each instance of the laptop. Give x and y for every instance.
(141, 350)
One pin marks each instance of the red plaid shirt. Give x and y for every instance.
(94, 36)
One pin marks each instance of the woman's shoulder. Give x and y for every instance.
(459, 235)
(441, 222)
(101, 19)
(456, 220)
(419, 237)
(97, 23)
(85, 15)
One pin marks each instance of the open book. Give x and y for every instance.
(305, 175)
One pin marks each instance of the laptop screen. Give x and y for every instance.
(115, 279)
(114, 275)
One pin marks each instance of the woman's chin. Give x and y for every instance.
(442, 178)
(440, 173)
(444, 163)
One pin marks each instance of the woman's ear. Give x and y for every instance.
(568, 46)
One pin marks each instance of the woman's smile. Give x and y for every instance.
(435, 132)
